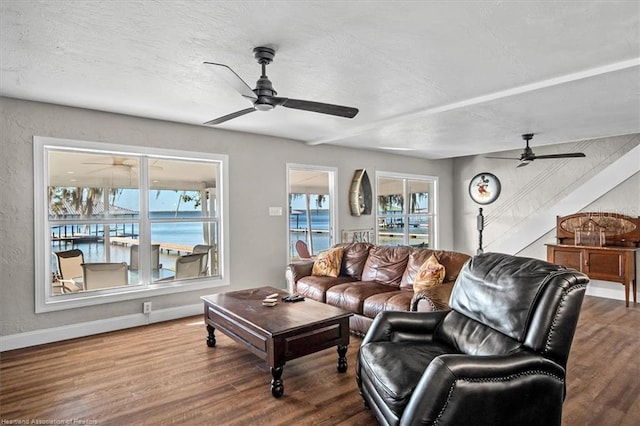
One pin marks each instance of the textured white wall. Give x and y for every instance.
(539, 189)
(257, 172)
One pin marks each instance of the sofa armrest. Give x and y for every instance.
(295, 271)
(432, 299)
(300, 269)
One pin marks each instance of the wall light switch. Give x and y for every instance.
(275, 211)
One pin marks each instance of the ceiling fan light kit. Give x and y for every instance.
(264, 96)
(528, 155)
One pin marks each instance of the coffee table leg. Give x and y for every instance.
(211, 338)
(277, 387)
(342, 358)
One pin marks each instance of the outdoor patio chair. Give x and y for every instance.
(206, 249)
(189, 266)
(155, 257)
(303, 250)
(69, 270)
(105, 275)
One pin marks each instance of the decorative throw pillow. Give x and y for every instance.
(327, 263)
(430, 274)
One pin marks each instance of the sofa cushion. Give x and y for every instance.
(328, 263)
(386, 264)
(351, 296)
(415, 261)
(430, 274)
(398, 300)
(316, 287)
(452, 262)
(353, 258)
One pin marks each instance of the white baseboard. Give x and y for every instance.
(606, 289)
(72, 331)
(39, 337)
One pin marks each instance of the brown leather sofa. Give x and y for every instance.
(376, 278)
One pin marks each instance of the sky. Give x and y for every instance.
(167, 201)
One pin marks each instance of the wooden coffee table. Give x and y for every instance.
(280, 333)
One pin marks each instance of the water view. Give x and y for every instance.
(299, 230)
(390, 230)
(90, 238)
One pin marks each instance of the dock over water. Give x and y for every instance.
(167, 247)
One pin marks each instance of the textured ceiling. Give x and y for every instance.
(432, 79)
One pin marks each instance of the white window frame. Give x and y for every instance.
(45, 301)
(407, 177)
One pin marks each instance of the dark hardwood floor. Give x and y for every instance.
(165, 374)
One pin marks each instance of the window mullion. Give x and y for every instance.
(406, 207)
(144, 227)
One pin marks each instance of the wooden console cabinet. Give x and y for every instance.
(613, 260)
(617, 264)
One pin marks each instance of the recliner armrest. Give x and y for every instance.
(403, 326)
(451, 382)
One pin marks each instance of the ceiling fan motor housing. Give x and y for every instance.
(265, 92)
(264, 88)
(264, 55)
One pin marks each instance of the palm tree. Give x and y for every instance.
(82, 200)
(415, 197)
(388, 202)
(186, 197)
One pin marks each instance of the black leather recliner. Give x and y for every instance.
(498, 357)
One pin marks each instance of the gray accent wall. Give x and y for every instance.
(257, 181)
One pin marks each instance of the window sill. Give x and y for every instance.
(79, 300)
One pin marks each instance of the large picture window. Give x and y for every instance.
(117, 221)
(406, 210)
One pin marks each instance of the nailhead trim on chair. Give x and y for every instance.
(490, 380)
(547, 346)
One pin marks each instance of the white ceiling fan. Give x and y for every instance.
(124, 164)
(117, 164)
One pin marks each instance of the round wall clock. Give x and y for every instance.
(484, 188)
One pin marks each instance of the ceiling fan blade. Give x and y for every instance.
(567, 155)
(230, 116)
(503, 158)
(99, 170)
(338, 110)
(233, 79)
(524, 163)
